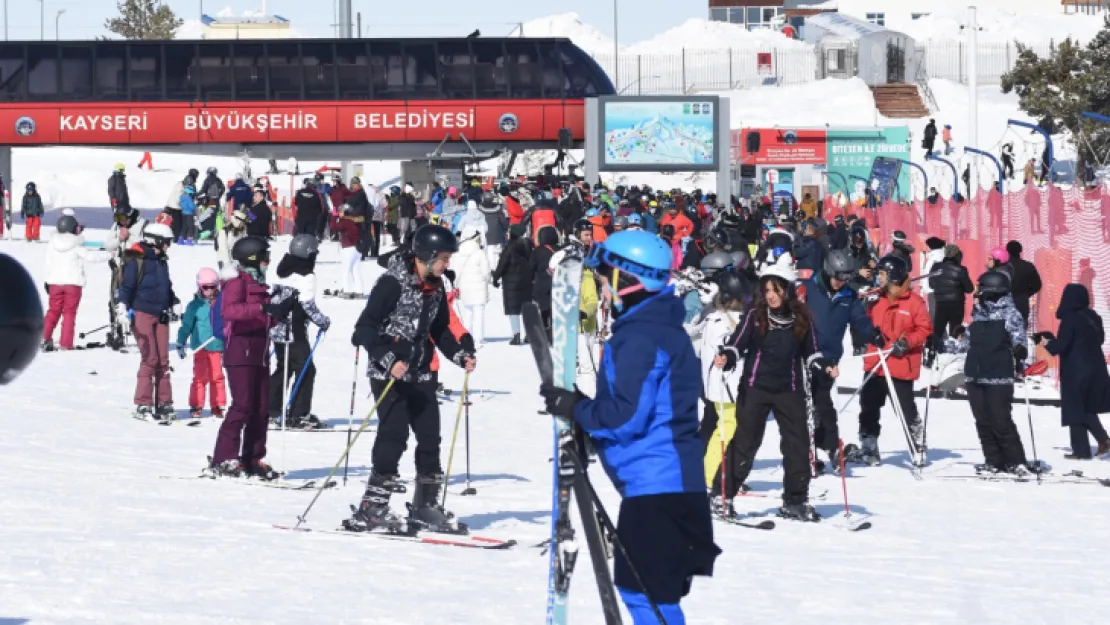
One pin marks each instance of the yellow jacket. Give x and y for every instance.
(809, 207)
(587, 302)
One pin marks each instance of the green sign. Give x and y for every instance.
(870, 157)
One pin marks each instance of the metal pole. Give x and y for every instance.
(42, 20)
(973, 91)
(616, 49)
(57, 22)
(5, 20)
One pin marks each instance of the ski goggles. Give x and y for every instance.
(844, 276)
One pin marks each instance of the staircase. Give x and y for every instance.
(899, 101)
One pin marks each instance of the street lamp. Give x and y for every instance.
(42, 20)
(616, 49)
(57, 21)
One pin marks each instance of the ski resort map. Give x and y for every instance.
(659, 133)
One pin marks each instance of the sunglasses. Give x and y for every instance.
(209, 287)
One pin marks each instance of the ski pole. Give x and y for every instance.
(469, 490)
(284, 398)
(304, 369)
(84, 334)
(455, 435)
(724, 444)
(1036, 368)
(925, 422)
(351, 414)
(346, 452)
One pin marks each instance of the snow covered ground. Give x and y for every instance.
(91, 533)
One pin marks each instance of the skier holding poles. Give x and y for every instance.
(644, 424)
(406, 318)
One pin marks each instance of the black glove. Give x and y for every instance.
(46, 287)
(560, 402)
(933, 346)
(958, 332)
(859, 350)
(467, 344)
(819, 363)
(730, 357)
(1021, 352)
(496, 283)
(280, 310)
(582, 316)
(877, 338)
(450, 275)
(899, 348)
(1040, 337)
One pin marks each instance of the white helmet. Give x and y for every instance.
(783, 268)
(157, 234)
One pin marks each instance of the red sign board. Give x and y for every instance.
(309, 122)
(779, 146)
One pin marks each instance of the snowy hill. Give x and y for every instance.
(699, 34)
(93, 533)
(568, 25)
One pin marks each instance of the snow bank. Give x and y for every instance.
(568, 25)
(1000, 25)
(705, 34)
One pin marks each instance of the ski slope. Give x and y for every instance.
(91, 533)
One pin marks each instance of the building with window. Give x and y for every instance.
(260, 27)
(751, 14)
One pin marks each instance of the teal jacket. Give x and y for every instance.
(197, 324)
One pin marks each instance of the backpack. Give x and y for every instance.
(216, 317)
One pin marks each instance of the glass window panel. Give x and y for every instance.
(525, 71)
(42, 62)
(456, 68)
(182, 71)
(76, 80)
(579, 79)
(13, 78)
(248, 71)
(552, 68)
(736, 16)
(421, 71)
(216, 73)
(144, 71)
(753, 15)
(111, 80)
(353, 66)
(718, 14)
(387, 70)
(319, 70)
(490, 69)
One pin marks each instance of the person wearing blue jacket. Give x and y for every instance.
(834, 306)
(644, 425)
(146, 297)
(188, 217)
(241, 193)
(809, 253)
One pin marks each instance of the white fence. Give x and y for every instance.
(693, 71)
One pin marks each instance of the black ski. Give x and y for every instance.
(765, 524)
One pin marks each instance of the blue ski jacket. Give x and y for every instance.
(832, 314)
(644, 419)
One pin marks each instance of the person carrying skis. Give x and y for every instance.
(721, 387)
(66, 256)
(31, 211)
(995, 346)
(146, 297)
(247, 316)
(902, 325)
(118, 196)
(226, 239)
(406, 318)
(644, 425)
(514, 268)
(208, 365)
(835, 307)
(239, 195)
(297, 282)
(778, 345)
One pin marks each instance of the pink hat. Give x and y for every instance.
(207, 277)
(1001, 255)
(452, 190)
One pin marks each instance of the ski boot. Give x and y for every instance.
(194, 412)
(1020, 472)
(986, 470)
(799, 512)
(373, 512)
(218, 412)
(312, 422)
(262, 471)
(515, 340)
(917, 435)
(834, 462)
(165, 413)
(1103, 449)
(115, 340)
(425, 511)
(721, 508)
(144, 413)
(867, 453)
(227, 468)
(48, 346)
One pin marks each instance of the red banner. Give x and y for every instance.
(779, 146)
(343, 122)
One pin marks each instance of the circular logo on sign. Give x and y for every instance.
(508, 123)
(25, 126)
(790, 137)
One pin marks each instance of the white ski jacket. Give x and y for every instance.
(472, 271)
(718, 326)
(66, 256)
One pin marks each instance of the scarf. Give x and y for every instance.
(780, 320)
(256, 273)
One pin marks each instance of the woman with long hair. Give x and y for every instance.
(776, 342)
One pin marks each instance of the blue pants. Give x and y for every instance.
(642, 614)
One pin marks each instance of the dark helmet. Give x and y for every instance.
(667, 231)
(993, 285)
(839, 264)
(308, 182)
(212, 171)
(896, 268)
(741, 259)
(733, 286)
(719, 239)
(489, 199)
(355, 180)
(30, 186)
(21, 318)
(66, 224)
(580, 225)
(430, 240)
(251, 251)
(716, 262)
(319, 176)
(304, 246)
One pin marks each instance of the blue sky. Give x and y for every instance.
(639, 19)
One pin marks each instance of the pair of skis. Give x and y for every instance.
(557, 363)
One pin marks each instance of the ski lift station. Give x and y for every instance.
(850, 47)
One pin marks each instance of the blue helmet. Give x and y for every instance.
(634, 219)
(591, 213)
(637, 253)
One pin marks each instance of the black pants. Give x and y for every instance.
(708, 425)
(176, 221)
(947, 316)
(394, 233)
(1080, 443)
(1022, 306)
(308, 226)
(826, 433)
(751, 421)
(873, 397)
(1008, 168)
(669, 539)
(408, 405)
(374, 231)
(991, 405)
(302, 401)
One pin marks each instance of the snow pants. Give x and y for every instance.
(153, 386)
(64, 300)
(725, 416)
(669, 540)
(872, 398)
(248, 417)
(352, 272)
(408, 405)
(751, 422)
(947, 316)
(1080, 443)
(474, 318)
(298, 356)
(493, 254)
(188, 227)
(177, 220)
(208, 374)
(826, 433)
(31, 228)
(374, 232)
(994, 422)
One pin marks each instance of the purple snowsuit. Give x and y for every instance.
(247, 361)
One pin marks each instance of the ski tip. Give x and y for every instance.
(866, 525)
(765, 525)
